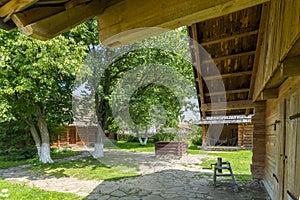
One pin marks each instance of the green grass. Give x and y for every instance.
(135, 146)
(63, 154)
(193, 149)
(5, 162)
(86, 168)
(149, 147)
(21, 191)
(240, 162)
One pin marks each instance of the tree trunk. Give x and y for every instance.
(35, 136)
(143, 143)
(45, 156)
(99, 143)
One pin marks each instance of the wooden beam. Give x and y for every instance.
(227, 92)
(295, 50)
(117, 23)
(14, 6)
(227, 75)
(291, 67)
(231, 37)
(288, 68)
(30, 16)
(196, 52)
(261, 33)
(230, 105)
(49, 2)
(269, 94)
(233, 56)
(74, 3)
(54, 25)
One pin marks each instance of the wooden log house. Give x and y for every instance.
(254, 43)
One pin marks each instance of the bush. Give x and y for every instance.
(127, 138)
(197, 139)
(164, 137)
(16, 142)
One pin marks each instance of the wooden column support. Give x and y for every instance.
(259, 141)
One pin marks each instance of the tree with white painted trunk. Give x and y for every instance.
(36, 83)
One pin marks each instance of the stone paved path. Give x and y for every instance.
(161, 178)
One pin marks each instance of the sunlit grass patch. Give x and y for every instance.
(136, 146)
(86, 168)
(240, 162)
(18, 191)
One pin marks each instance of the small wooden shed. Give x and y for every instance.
(79, 135)
(233, 131)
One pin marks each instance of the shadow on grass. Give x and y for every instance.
(86, 168)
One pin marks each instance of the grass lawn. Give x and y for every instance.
(86, 168)
(21, 191)
(149, 147)
(6, 162)
(193, 149)
(239, 160)
(136, 146)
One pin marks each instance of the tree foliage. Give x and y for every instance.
(105, 69)
(37, 79)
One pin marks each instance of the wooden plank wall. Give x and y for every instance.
(271, 145)
(274, 140)
(292, 178)
(282, 31)
(245, 135)
(259, 130)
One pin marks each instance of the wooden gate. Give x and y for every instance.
(288, 155)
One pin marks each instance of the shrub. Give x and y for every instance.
(16, 142)
(197, 139)
(127, 138)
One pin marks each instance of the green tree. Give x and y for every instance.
(105, 68)
(36, 83)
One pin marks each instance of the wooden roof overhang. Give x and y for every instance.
(225, 79)
(120, 21)
(231, 31)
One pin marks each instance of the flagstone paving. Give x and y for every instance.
(160, 178)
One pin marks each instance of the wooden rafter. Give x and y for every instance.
(234, 56)
(35, 14)
(14, 6)
(231, 105)
(114, 29)
(52, 26)
(227, 75)
(196, 51)
(225, 39)
(262, 25)
(227, 92)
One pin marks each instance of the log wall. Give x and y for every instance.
(245, 136)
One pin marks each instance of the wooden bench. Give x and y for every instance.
(218, 171)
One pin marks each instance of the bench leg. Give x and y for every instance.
(233, 179)
(215, 176)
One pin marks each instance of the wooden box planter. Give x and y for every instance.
(171, 148)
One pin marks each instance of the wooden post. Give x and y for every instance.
(259, 148)
(204, 132)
